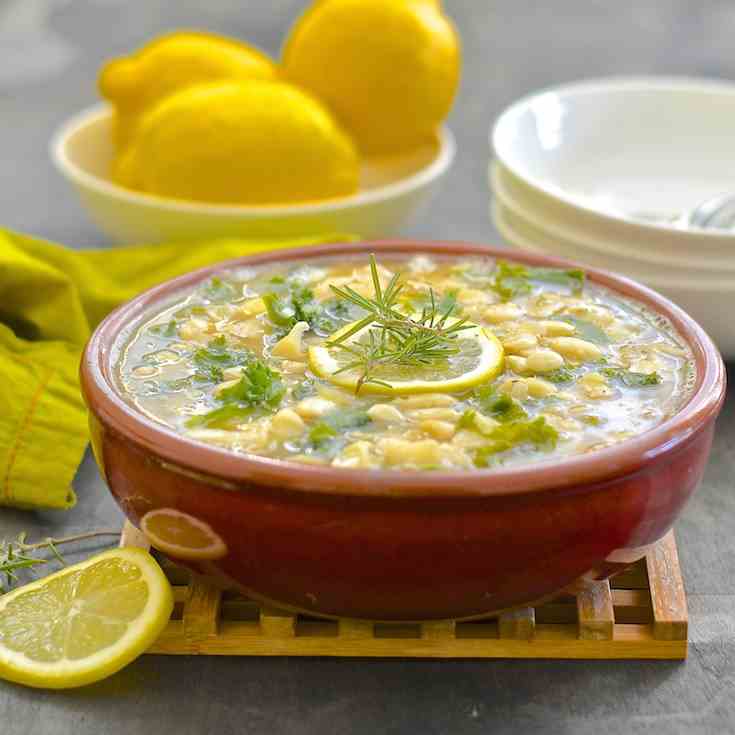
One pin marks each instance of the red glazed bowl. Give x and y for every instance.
(390, 545)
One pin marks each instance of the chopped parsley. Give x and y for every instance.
(297, 304)
(586, 329)
(537, 432)
(304, 389)
(259, 387)
(467, 419)
(165, 330)
(560, 375)
(631, 379)
(211, 361)
(335, 423)
(218, 291)
(501, 408)
(514, 279)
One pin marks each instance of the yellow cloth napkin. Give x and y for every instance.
(51, 298)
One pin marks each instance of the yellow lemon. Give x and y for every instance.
(172, 62)
(479, 359)
(253, 142)
(85, 622)
(388, 68)
(182, 536)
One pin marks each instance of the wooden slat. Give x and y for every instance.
(633, 578)
(595, 612)
(632, 606)
(201, 610)
(442, 629)
(597, 623)
(277, 623)
(559, 642)
(519, 624)
(668, 598)
(349, 628)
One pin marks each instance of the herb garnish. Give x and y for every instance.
(298, 304)
(560, 375)
(395, 339)
(537, 432)
(632, 379)
(218, 291)
(259, 387)
(211, 361)
(18, 554)
(501, 408)
(169, 329)
(334, 423)
(586, 329)
(513, 279)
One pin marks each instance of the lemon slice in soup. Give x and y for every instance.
(478, 358)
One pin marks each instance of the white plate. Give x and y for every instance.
(625, 150)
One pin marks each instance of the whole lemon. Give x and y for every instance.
(172, 62)
(388, 68)
(254, 142)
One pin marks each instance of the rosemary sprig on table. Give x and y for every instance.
(394, 338)
(17, 554)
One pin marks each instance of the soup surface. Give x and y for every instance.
(408, 363)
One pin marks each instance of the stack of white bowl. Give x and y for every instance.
(601, 172)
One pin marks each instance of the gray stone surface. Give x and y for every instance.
(49, 53)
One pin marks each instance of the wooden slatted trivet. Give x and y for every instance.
(639, 614)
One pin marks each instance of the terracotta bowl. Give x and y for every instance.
(390, 545)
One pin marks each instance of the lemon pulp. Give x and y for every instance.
(181, 535)
(84, 622)
(479, 359)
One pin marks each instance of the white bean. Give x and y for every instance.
(385, 413)
(498, 313)
(314, 406)
(543, 360)
(287, 424)
(538, 388)
(520, 343)
(443, 430)
(575, 349)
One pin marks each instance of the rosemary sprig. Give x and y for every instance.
(17, 554)
(395, 339)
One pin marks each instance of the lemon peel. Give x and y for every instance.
(134, 84)
(324, 362)
(85, 622)
(252, 142)
(388, 68)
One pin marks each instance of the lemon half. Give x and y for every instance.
(84, 622)
(182, 536)
(480, 359)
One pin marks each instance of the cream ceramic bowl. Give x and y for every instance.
(620, 155)
(605, 252)
(705, 302)
(392, 191)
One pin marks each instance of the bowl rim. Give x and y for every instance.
(521, 241)
(696, 284)
(70, 169)
(237, 471)
(605, 85)
(596, 243)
